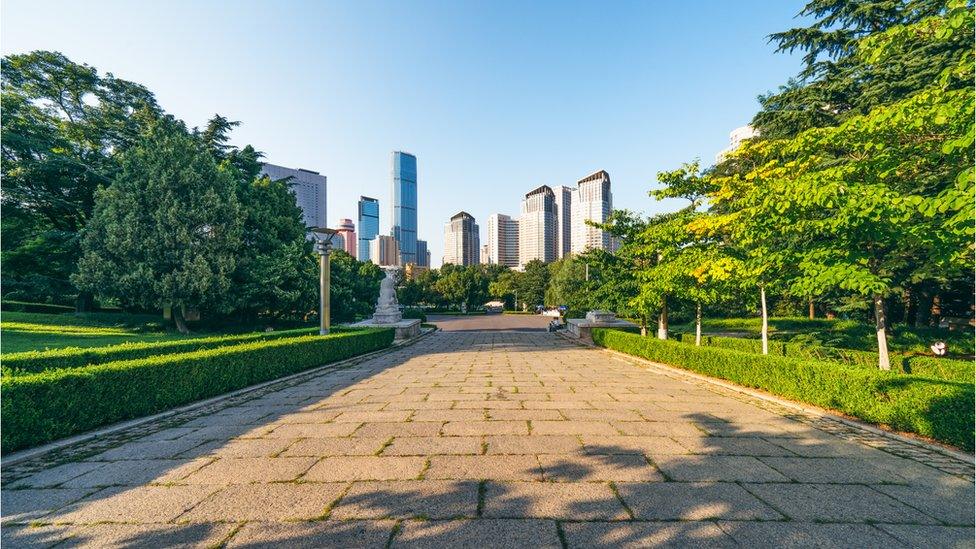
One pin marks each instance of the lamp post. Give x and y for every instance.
(323, 245)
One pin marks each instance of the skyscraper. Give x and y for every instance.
(564, 220)
(736, 137)
(404, 205)
(369, 225)
(383, 251)
(537, 226)
(592, 201)
(461, 241)
(309, 188)
(503, 240)
(423, 255)
(347, 231)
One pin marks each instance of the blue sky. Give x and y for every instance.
(494, 97)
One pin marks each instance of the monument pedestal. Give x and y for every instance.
(582, 328)
(388, 313)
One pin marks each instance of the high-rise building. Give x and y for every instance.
(461, 241)
(736, 137)
(347, 231)
(537, 226)
(592, 201)
(384, 251)
(503, 240)
(483, 255)
(564, 220)
(423, 254)
(404, 204)
(309, 188)
(369, 225)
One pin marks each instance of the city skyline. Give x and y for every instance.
(538, 107)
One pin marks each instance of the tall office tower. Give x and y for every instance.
(503, 240)
(462, 243)
(348, 233)
(369, 224)
(309, 188)
(537, 226)
(404, 205)
(592, 201)
(384, 251)
(564, 220)
(423, 255)
(483, 255)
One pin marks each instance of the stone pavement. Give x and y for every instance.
(484, 439)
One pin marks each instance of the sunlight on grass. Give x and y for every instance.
(62, 329)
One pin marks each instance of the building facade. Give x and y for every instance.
(347, 230)
(537, 226)
(423, 254)
(564, 220)
(384, 251)
(309, 188)
(736, 137)
(461, 240)
(404, 205)
(592, 201)
(502, 240)
(369, 225)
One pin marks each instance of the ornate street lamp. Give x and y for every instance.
(323, 245)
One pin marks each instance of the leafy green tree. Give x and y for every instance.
(166, 231)
(63, 129)
(355, 286)
(532, 282)
(465, 286)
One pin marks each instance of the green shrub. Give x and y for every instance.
(940, 409)
(940, 368)
(38, 408)
(76, 357)
(415, 313)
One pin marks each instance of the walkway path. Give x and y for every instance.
(479, 439)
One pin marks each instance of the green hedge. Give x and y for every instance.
(76, 357)
(943, 410)
(28, 307)
(39, 408)
(925, 366)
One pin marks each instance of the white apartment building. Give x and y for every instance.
(309, 188)
(537, 226)
(502, 240)
(736, 137)
(592, 201)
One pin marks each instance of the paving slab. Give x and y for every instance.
(491, 437)
(426, 499)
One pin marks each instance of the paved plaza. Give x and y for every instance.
(480, 436)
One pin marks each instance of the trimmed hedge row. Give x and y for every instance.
(76, 357)
(925, 366)
(39, 408)
(943, 410)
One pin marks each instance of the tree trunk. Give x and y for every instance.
(180, 320)
(662, 320)
(83, 303)
(765, 320)
(697, 324)
(813, 313)
(884, 362)
(924, 298)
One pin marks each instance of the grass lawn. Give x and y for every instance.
(38, 331)
(847, 334)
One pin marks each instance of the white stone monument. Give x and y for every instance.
(387, 314)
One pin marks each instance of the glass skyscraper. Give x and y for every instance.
(404, 207)
(369, 225)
